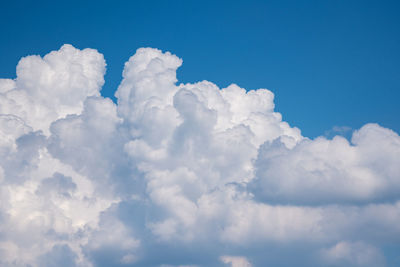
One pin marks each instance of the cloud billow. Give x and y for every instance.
(181, 174)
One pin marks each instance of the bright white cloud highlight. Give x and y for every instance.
(180, 174)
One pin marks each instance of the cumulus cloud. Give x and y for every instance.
(324, 171)
(181, 174)
(52, 87)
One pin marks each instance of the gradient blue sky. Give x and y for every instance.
(329, 63)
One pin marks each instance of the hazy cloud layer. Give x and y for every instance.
(181, 174)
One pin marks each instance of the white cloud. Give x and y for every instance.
(325, 171)
(180, 174)
(52, 87)
(235, 261)
(353, 254)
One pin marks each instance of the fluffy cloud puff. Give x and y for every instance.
(181, 174)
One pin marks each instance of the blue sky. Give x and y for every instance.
(329, 63)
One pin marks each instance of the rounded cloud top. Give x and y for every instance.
(181, 174)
